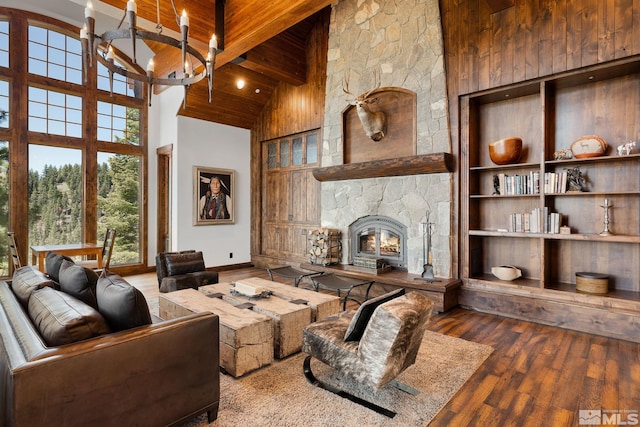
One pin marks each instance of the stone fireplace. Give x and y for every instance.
(405, 44)
(379, 237)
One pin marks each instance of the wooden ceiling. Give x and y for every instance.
(264, 44)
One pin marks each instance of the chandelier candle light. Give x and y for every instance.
(100, 47)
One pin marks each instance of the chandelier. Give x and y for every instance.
(100, 47)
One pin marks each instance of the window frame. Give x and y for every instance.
(19, 137)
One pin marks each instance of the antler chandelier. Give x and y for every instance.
(100, 47)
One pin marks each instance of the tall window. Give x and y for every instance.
(62, 207)
(4, 207)
(4, 44)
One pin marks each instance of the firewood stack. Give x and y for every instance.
(324, 246)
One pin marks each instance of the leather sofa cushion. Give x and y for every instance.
(121, 304)
(183, 263)
(79, 281)
(62, 319)
(52, 263)
(365, 311)
(28, 279)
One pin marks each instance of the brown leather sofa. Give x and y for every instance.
(160, 373)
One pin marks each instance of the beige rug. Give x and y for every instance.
(279, 395)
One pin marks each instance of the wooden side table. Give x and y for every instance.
(336, 283)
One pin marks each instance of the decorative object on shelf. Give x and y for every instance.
(373, 122)
(592, 283)
(565, 229)
(100, 47)
(563, 154)
(575, 180)
(506, 151)
(506, 272)
(606, 206)
(588, 146)
(496, 185)
(626, 149)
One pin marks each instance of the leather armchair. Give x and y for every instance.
(182, 270)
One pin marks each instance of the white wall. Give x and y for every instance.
(199, 143)
(212, 145)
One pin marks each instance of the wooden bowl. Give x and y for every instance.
(506, 272)
(506, 151)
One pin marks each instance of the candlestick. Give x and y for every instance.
(606, 206)
(132, 6)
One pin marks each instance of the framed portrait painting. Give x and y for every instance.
(213, 195)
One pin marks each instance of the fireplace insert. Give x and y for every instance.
(379, 237)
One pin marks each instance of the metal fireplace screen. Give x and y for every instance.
(379, 237)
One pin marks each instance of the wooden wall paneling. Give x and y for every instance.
(590, 40)
(532, 51)
(623, 44)
(574, 35)
(482, 70)
(290, 110)
(520, 45)
(545, 45)
(559, 25)
(606, 30)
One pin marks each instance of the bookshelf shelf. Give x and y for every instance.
(549, 115)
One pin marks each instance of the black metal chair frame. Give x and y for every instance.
(290, 273)
(333, 282)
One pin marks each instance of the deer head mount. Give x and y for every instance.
(373, 122)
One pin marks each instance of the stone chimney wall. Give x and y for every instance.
(403, 39)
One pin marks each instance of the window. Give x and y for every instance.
(4, 207)
(66, 202)
(55, 113)
(117, 123)
(4, 44)
(55, 195)
(119, 204)
(4, 104)
(284, 154)
(120, 83)
(52, 54)
(293, 152)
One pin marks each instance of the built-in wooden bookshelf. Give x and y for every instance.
(549, 114)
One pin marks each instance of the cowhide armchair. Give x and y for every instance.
(372, 345)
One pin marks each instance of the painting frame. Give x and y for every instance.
(209, 210)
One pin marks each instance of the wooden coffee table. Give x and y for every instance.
(322, 305)
(246, 337)
(289, 319)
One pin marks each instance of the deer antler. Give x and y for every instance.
(345, 85)
(376, 82)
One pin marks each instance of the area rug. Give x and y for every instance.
(279, 395)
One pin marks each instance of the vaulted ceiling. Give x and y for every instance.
(264, 44)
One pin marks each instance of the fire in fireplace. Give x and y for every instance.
(379, 237)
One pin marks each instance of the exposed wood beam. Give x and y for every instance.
(248, 26)
(283, 57)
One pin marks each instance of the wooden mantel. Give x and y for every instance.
(411, 165)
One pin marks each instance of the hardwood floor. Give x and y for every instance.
(537, 375)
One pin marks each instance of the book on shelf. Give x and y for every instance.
(538, 220)
(555, 182)
(510, 185)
